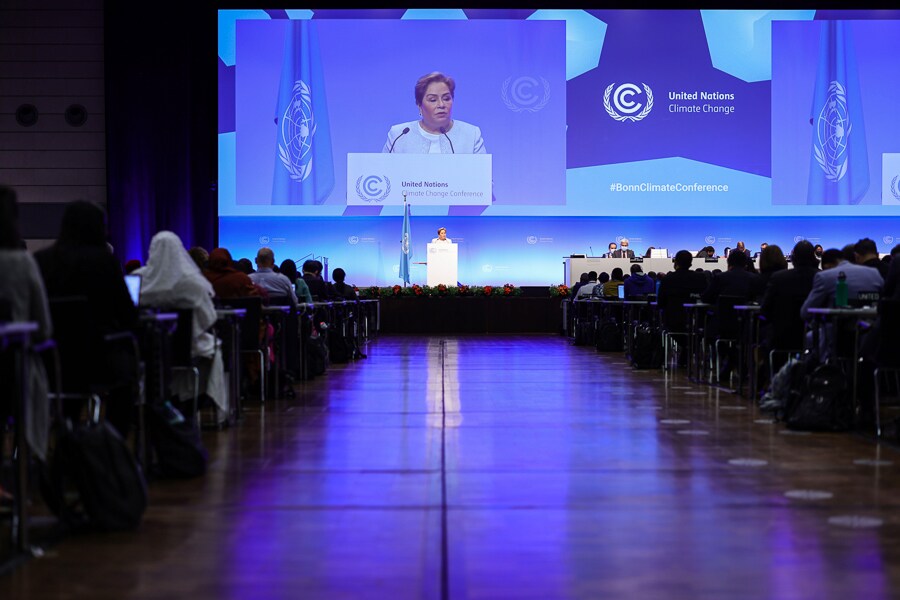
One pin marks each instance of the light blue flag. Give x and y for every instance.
(304, 166)
(405, 246)
(839, 165)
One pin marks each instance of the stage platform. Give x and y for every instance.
(534, 311)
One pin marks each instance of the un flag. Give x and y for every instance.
(405, 246)
(304, 166)
(839, 165)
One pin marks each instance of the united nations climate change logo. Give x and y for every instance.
(798, 239)
(624, 107)
(710, 239)
(832, 133)
(298, 126)
(888, 239)
(531, 239)
(353, 240)
(525, 93)
(373, 188)
(264, 240)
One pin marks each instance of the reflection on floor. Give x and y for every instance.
(513, 467)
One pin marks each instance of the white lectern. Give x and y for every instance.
(442, 263)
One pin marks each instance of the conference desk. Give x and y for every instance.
(574, 267)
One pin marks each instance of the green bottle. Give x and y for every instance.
(840, 291)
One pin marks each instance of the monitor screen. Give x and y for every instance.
(133, 283)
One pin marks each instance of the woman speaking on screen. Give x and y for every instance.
(436, 132)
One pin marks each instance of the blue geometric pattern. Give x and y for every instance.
(584, 38)
(227, 31)
(299, 14)
(446, 14)
(740, 41)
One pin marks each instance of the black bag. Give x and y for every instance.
(317, 356)
(339, 349)
(822, 403)
(177, 446)
(93, 480)
(609, 336)
(646, 350)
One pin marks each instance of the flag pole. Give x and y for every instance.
(404, 218)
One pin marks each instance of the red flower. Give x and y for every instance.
(488, 290)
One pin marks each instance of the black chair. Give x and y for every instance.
(85, 364)
(250, 343)
(723, 329)
(887, 359)
(287, 347)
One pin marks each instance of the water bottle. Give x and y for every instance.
(840, 291)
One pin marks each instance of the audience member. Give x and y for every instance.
(831, 258)
(736, 281)
(200, 256)
(132, 265)
(276, 284)
(79, 264)
(312, 275)
(23, 298)
(771, 260)
(819, 251)
(244, 266)
(585, 290)
(228, 282)
(859, 279)
(610, 289)
(639, 284)
(341, 289)
(867, 255)
(581, 281)
(289, 269)
(676, 288)
(785, 293)
(171, 279)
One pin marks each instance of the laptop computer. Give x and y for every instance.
(133, 283)
(621, 290)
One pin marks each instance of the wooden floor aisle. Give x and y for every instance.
(502, 467)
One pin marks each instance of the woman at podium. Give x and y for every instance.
(436, 132)
(442, 237)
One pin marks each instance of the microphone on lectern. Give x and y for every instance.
(404, 132)
(592, 250)
(444, 131)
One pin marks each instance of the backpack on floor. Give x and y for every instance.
(646, 348)
(177, 446)
(609, 336)
(92, 480)
(821, 402)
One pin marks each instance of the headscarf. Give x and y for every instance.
(172, 279)
(227, 281)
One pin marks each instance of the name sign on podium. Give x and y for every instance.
(442, 264)
(379, 179)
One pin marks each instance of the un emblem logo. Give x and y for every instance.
(525, 93)
(710, 239)
(373, 188)
(531, 239)
(832, 133)
(895, 189)
(623, 106)
(298, 126)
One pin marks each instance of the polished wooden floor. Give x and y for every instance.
(503, 467)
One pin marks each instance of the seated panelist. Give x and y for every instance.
(613, 250)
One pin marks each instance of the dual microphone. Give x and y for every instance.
(406, 130)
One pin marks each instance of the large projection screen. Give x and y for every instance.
(675, 129)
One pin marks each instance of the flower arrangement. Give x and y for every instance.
(442, 290)
(561, 290)
(417, 290)
(397, 290)
(509, 289)
(487, 290)
(463, 290)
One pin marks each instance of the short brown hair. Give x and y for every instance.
(440, 229)
(426, 80)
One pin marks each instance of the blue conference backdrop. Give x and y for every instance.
(676, 129)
